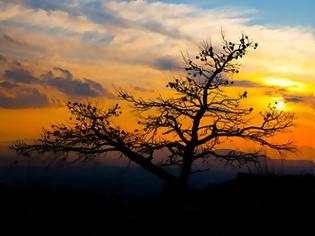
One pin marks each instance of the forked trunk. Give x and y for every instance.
(181, 185)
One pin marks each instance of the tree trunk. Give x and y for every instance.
(185, 172)
(182, 184)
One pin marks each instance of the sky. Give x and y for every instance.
(268, 12)
(52, 51)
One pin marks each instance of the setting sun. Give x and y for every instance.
(279, 103)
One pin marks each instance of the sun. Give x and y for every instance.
(279, 103)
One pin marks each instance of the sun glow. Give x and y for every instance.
(279, 103)
(287, 83)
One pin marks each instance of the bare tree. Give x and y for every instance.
(189, 125)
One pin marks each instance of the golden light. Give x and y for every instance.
(287, 83)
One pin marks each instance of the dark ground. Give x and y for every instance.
(251, 205)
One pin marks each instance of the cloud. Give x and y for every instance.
(6, 85)
(20, 75)
(15, 47)
(47, 19)
(295, 99)
(8, 11)
(6, 39)
(63, 80)
(58, 78)
(20, 88)
(300, 98)
(307, 100)
(134, 43)
(146, 33)
(30, 98)
(142, 90)
(42, 4)
(246, 84)
(111, 28)
(167, 63)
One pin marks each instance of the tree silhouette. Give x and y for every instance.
(189, 125)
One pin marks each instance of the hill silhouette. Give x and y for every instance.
(249, 204)
(76, 200)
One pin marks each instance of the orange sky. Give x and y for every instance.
(140, 49)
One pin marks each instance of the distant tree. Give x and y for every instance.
(189, 124)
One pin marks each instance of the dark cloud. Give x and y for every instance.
(64, 81)
(295, 99)
(20, 75)
(10, 63)
(59, 78)
(307, 100)
(166, 63)
(31, 99)
(246, 84)
(98, 38)
(17, 80)
(6, 85)
(143, 90)
(65, 73)
(158, 27)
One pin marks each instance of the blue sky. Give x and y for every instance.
(269, 12)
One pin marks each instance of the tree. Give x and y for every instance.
(189, 125)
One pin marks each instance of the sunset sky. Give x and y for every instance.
(52, 51)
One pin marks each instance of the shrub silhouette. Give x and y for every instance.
(189, 125)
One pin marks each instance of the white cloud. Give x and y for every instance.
(143, 32)
(9, 11)
(54, 19)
